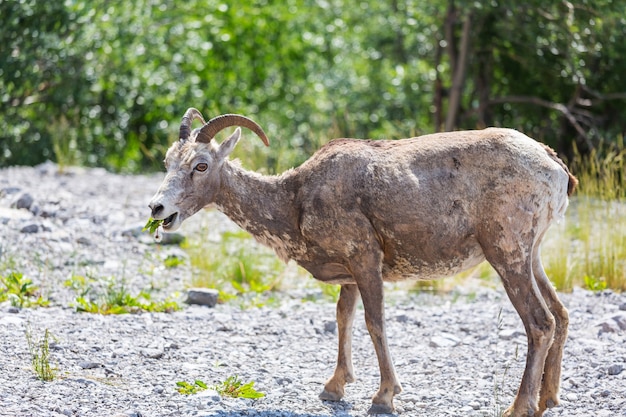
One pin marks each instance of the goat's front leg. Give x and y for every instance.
(370, 285)
(344, 372)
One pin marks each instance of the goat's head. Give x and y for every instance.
(194, 164)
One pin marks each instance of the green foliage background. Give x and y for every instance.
(105, 82)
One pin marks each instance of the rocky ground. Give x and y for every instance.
(459, 354)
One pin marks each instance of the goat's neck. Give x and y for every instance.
(261, 205)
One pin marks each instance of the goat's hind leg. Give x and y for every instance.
(549, 395)
(516, 270)
(344, 372)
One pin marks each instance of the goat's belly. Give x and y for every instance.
(408, 267)
(403, 268)
(330, 273)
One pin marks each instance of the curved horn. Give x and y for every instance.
(219, 123)
(188, 118)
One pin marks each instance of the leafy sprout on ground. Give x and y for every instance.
(232, 387)
(40, 355)
(20, 291)
(594, 284)
(186, 388)
(172, 261)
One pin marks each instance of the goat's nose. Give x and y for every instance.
(156, 208)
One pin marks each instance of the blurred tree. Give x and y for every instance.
(101, 83)
(40, 77)
(548, 69)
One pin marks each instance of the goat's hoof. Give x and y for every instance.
(331, 396)
(511, 412)
(380, 409)
(550, 402)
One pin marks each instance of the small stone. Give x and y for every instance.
(132, 413)
(171, 239)
(152, 353)
(571, 397)
(402, 318)
(615, 369)
(608, 326)
(202, 296)
(84, 241)
(284, 381)
(330, 326)
(89, 365)
(9, 190)
(30, 228)
(444, 340)
(85, 381)
(620, 319)
(133, 231)
(24, 201)
(474, 404)
(510, 334)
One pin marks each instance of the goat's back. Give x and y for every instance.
(432, 200)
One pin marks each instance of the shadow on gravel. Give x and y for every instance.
(335, 409)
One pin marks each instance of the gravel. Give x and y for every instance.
(460, 354)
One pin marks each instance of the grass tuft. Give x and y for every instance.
(115, 298)
(40, 355)
(235, 266)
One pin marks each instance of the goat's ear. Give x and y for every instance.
(229, 144)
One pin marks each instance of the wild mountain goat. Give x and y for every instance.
(360, 212)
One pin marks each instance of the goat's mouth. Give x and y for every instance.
(170, 221)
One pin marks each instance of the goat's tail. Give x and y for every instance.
(573, 181)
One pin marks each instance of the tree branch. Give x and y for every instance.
(609, 96)
(554, 106)
(459, 75)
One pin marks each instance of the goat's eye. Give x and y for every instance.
(201, 167)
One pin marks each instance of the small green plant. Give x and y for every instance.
(594, 284)
(40, 355)
(234, 387)
(186, 388)
(65, 143)
(172, 261)
(20, 291)
(231, 387)
(115, 298)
